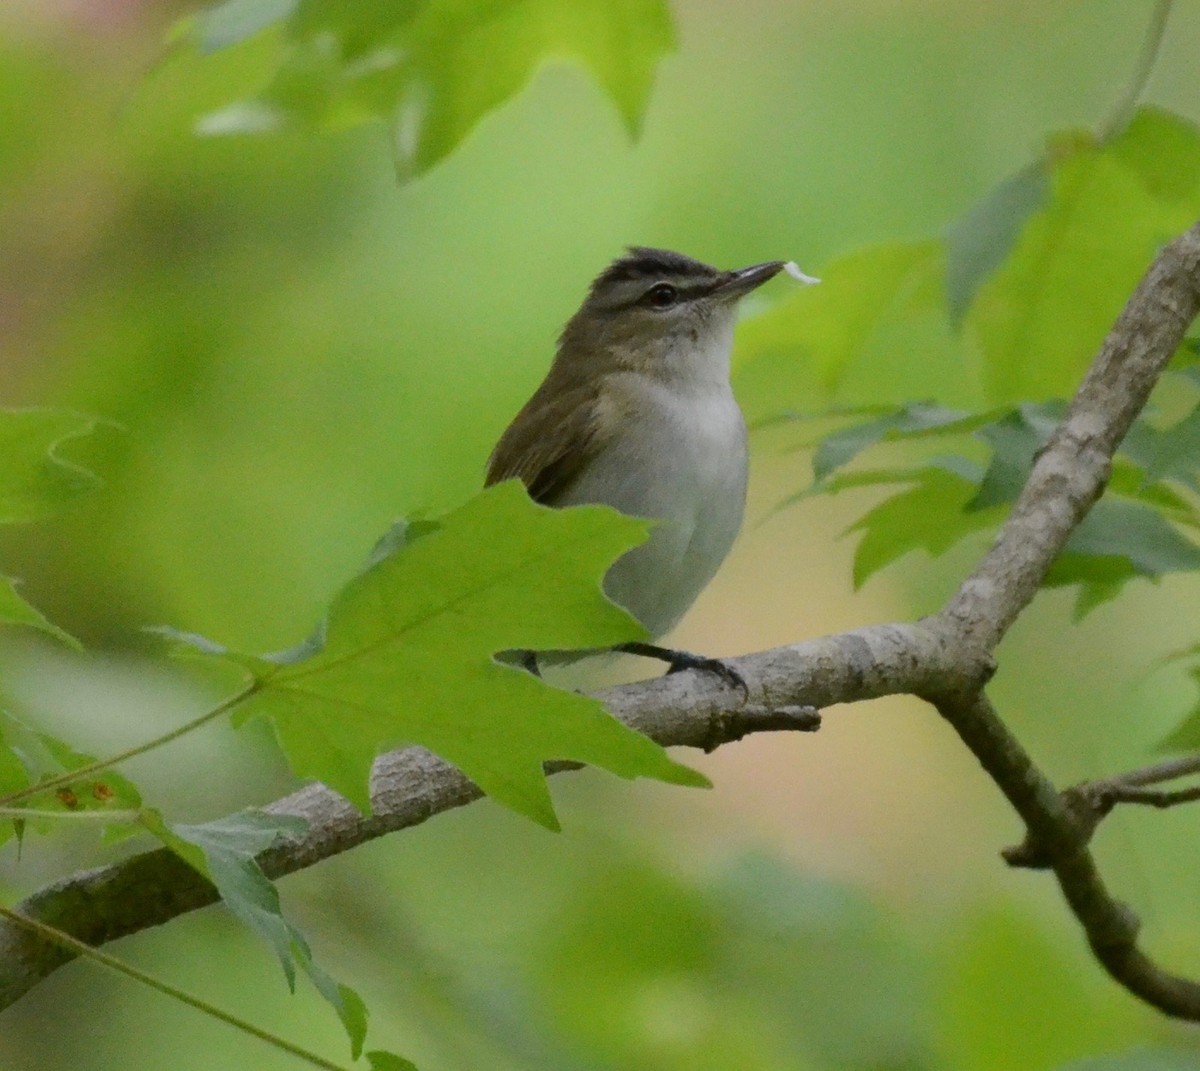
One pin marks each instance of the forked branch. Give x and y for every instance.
(945, 659)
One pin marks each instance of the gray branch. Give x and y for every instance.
(945, 659)
(1092, 801)
(1073, 469)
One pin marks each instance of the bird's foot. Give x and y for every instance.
(681, 660)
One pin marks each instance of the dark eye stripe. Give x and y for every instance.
(685, 292)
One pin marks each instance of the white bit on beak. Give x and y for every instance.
(793, 269)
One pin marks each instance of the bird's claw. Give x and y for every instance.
(678, 661)
(686, 660)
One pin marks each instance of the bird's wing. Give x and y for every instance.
(547, 444)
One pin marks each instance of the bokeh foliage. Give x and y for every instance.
(297, 350)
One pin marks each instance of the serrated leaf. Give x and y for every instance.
(929, 516)
(1094, 594)
(191, 646)
(221, 848)
(1100, 578)
(1040, 318)
(1140, 445)
(1159, 496)
(1117, 542)
(908, 421)
(409, 647)
(1136, 533)
(1132, 533)
(40, 755)
(1015, 440)
(225, 852)
(827, 326)
(402, 532)
(35, 480)
(955, 464)
(1176, 452)
(981, 241)
(14, 610)
(432, 71)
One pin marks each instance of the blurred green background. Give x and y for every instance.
(294, 350)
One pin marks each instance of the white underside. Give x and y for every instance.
(681, 459)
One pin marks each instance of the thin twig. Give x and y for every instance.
(1102, 795)
(1057, 840)
(1170, 770)
(1153, 797)
(69, 943)
(71, 776)
(23, 813)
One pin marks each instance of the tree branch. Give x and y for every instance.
(412, 785)
(944, 659)
(1058, 835)
(1092, 802)
(1073, 468)
(1151, 797)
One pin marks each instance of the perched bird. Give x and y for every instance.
(637, 413)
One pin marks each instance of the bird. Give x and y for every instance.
(637, 412)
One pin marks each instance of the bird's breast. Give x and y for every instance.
(679, 458)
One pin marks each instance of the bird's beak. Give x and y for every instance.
(743, 281)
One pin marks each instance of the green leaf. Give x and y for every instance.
(1186, 737)
(981, 241)
(1100, 578)
(1015, 440)
(433, 70)
(929, 516)
(225, 851)
(1132, 533)
(14, 775)
(920, 418)
(1041, 317)
(409, 647)
(1136, 533)
(1176, 452)
(828, 326)
(1117, 542)
(34, 480)
(29, 755)
(16, 611)
(387, 1061)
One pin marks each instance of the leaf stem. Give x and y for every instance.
(79, 816)
(1123, 111)
(73, 944)
(70, 776)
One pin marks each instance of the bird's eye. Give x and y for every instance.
(662, 296)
